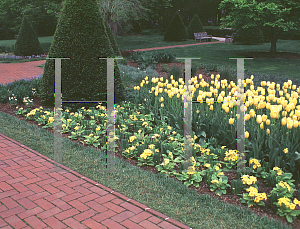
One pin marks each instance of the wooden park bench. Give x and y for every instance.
(203, 35)
(228, 39)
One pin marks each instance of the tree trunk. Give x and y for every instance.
(114, 28)
(274, 38)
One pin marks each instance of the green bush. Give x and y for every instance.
(81, 36)
(113, 41)
(195, 26)
(27, 43)
(19, 89)
(177, 73)
(146, 59)
(249, 36)
(176, 30)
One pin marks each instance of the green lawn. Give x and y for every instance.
(212, 54)
(218, 54)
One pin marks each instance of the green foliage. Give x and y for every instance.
(80, 36)
(249, 36)
(43, 15)
(277, 16)
(113, 41)
(146, 59)
(176, 71)
(27, 43)
(195, 26)
(18, 89)
(176, 30)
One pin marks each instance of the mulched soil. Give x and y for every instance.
(269, 210)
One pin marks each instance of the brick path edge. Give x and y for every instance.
(142, 206)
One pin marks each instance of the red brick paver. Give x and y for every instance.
(63, 198)
(17, 71)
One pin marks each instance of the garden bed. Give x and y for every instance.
(267, 210)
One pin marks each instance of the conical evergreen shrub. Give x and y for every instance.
(27, 43)
(80, 35)
(113, 41)
(249, 36)
(176, 30)
(195, 26)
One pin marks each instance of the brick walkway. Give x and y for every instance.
(10, 72)
(35, 194)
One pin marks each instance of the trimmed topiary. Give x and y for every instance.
(27, 43)
(176, 30)
(195, 26)
(81, 36)
(249, 36)
(113, 41)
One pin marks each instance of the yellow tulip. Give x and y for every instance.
(268, 122)
(247, 117)
(295, 123)
(268, 131)
(262, 125)
(246, 134)
(231, 121)
(211, 107)
(289, 125)
(162, 105)
(286, 150)
(259, 119)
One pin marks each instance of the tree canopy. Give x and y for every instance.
(277, 15)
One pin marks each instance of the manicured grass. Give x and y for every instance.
(218, 54)
(165, 195)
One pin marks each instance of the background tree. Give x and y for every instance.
(195, 26)
(176, 30)
(276, 15)
(81, 36)
(27, 43)
(121, 12)
(43, 14)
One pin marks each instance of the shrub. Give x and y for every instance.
(249, 36)
(19, 89)
(113, 41)
(81, 36)
(27, 43)
(176, 30)
(195, 26)
(146, 59)
(177, 73)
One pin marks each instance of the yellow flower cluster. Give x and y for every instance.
(191, 170)
(166, 161)
(130, 148)
(253, 192)
(214, 181)
(279, 171)
(287, 203)
(231, 155)
(284, 185)
(255, 162)
(146, 153)
(132, 138)
(249, 180)
(32, 112)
